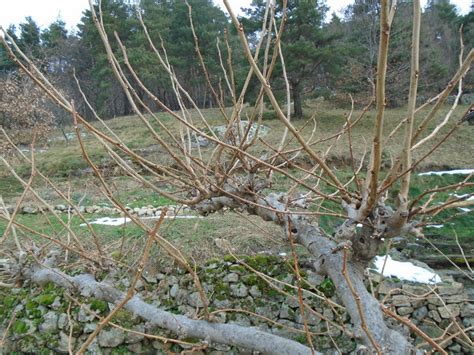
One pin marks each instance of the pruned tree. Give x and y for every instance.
(232, 175)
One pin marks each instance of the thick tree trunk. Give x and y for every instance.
(297, 101)
(331, 264)
(367, 316)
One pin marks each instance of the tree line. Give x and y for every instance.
(325, 54)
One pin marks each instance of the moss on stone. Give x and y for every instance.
(212, 261)
(327, 287)
(45, 299)
(237, 269)
(260, 261)
(229, 258)
(124, 318)
(10, 301)
(119, 350)
(20, 327)
(98, 305)
(250, 280)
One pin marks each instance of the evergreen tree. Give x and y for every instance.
(310, 51)
(29, 39)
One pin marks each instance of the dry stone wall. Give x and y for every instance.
(49, 320)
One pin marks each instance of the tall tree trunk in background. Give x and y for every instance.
(297, 103)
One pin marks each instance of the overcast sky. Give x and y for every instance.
(70, 11)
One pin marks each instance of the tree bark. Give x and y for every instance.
(297, 101)
(329, 262)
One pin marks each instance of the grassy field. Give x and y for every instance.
(203, 238)
(62, 160)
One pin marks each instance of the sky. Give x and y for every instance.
(70, 11)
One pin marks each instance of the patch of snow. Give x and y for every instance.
(359, 225)
(108, 221)
(438, 226)
(449, 172)
(464, 209)
(282, 254)
(470, 198)
(405, 271)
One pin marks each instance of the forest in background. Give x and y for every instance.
(326, 55)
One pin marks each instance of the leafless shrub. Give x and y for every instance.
(233, 175)
(23, 110)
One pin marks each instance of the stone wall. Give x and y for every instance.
(44, 316)
(144, 211)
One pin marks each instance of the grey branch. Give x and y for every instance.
(184, 327)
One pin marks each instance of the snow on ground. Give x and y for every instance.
(438, 226)
(470, 198)
(449, 172)
(108, 221)
(405, 271)
(119, 221)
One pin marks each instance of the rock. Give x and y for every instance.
(84, 316)
(132, 338)
(64, 342)
(172, 280)
(181, 296)
(89, 327)
(60, 208)
(222, 303)
(255, 291)
(241, 319)
(232, 277)
(29, 210)
(451, 289)
(434, 315)
(455, 349)
(311, 318)
(142, 212)
(283, 331)
(56, 303)
(286, 312)
(420, 313)
(194, 299)
(187, 311)
(433, 331)
(239, 290)
(62, 321)
(467, 310)
(327, 312)
(50, 322)
(174, 290)
(468, 322)
(401, 301)
(268, 311)
(313, 278)
(459, 298)
(435, 300)
(450, 310)
(415, 289)
(158, 345)
(404, 311)
(293, 302)
(387, 286)
(110, 338)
